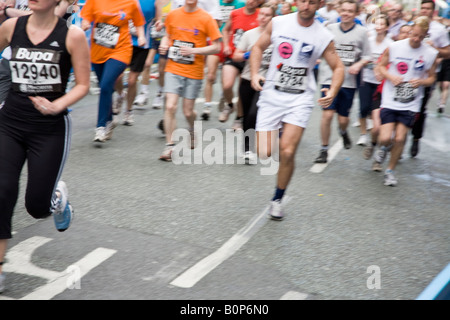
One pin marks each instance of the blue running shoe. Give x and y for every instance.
(63, 213)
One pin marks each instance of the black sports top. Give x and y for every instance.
(37, 70)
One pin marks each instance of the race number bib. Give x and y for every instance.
(226, 12)
(373, 61)
(155, 34)
(347, 54)
(237, 36)
(291, 80)
(175, 55)
(35, 70)
(106, 35)
(266, 57)
(405, 92)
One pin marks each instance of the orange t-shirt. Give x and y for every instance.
(189, 29)
(111, 37)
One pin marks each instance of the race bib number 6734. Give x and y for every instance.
(291, 80)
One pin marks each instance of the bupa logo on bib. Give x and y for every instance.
(306, 52)
(419, 64)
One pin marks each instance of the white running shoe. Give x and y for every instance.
(206, 113)
(141, 99)
(63, 213)
(128, 118)
(250, 157)
(368, 151)
(380, 155)
(166, 155)
(389, 178)
(117, 104)
(109, 129)
(356, 123)
(362, 141)
(275, 211)
(225, 114)
(238, 124)
(100, 134)
(158, 102)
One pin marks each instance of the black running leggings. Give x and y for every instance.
(249, 97)
(45, 151)
(419, 124)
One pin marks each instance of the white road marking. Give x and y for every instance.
(194, 274)
(294, 295)
(60, 284)
(332, 152)
(19, 261)
(167, 272)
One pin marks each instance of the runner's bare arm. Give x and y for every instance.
(256, 57)
(332, 58)
(6, 32)
(381, 68)
(213, 48)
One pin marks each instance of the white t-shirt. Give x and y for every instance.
(330, 16)
(377, 50)
(394, 29)
(246, 43)
(410, 64)
(290, 80)
(351, 45)
(210, 6)
(438, 34)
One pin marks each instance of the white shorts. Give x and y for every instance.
(271, 118)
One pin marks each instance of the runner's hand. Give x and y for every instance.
(258, 82)
(45, 107)
(326, 100)
(163, 50)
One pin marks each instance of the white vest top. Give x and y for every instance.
(410, 64)
(290, 80)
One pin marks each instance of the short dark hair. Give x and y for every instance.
(356, 3)
(429, 1)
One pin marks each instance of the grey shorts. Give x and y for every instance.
(182, 86)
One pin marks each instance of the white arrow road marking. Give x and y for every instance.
(63, 282)
(19, 261)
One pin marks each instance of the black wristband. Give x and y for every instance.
(4, 12)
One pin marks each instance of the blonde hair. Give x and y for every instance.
(423, 22)
(270, 6)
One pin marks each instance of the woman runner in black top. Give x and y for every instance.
(34, 122)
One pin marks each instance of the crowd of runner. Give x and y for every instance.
(277, 52)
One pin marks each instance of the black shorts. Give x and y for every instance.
(238, 65)
(444, 74)
(138, 60)
(405, 117)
